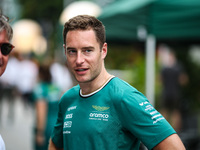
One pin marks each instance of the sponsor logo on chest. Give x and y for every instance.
(68, 122)
(99, 113)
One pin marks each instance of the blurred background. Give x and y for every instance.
(152, 44)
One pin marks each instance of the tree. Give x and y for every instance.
(46, 13)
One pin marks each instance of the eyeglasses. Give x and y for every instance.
(6, 48)
(4, 17)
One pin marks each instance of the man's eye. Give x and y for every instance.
(71, 52)
(87, 51)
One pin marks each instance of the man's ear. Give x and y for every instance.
(104, 50)
(64, 48)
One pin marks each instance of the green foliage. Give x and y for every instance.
(190, 92)
(42, 9)
(131, 58)
(47, 14)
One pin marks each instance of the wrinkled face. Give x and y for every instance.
(3, 59)
(84, 57)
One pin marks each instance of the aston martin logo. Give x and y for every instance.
(100, 108)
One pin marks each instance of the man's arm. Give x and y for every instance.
(52, 146)
(173, 142)
(41, 112)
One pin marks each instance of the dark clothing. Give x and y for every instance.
(171, 94)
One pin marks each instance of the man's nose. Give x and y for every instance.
(80, 58)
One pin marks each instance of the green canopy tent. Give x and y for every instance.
(132, 20)
(165, 19)
(123, 18)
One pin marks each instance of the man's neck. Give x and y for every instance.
(98, 82)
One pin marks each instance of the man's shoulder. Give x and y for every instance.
(69, 97)
(117, 88)
(73, 91)
(70, 94)
(121, 85)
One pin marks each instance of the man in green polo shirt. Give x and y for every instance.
(104, 112)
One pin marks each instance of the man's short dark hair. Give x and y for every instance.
(86, 22)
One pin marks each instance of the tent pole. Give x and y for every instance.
(150, 68)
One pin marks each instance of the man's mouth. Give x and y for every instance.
(80, 69)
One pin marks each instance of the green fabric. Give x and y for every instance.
(165, 19)
(117, 117)
(177, 19)
(51, 95)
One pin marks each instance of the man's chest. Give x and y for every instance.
(89, 117)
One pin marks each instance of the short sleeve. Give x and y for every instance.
(140, 118)
(38, 93)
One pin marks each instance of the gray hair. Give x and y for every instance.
(4, 25)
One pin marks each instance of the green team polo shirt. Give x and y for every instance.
(115, 117)
(51, 95)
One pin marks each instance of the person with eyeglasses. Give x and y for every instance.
(6, 34)
(104, 112)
